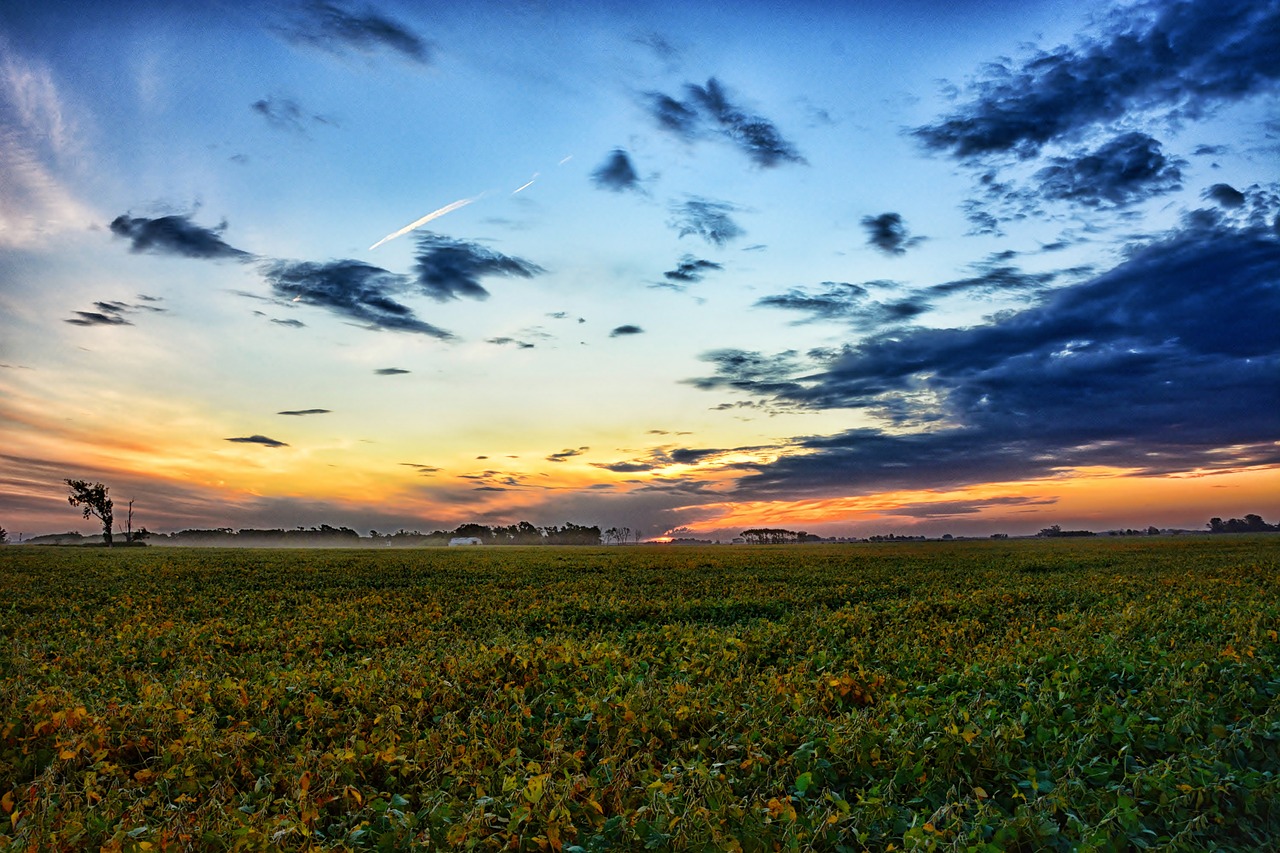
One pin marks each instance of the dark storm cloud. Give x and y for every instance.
(351, 288)
(628, 329)
(692, 456)
(330, 27)
(1225, 195)
(1129, 168)
(390, 371)
(625, 467)
(709, 111)
(175, 235)
(690, 270)
(258, 439)
(707, 219)
(447, 268)
(1177, 59)
(1157, 365)
(888, 233)
(300, 412)
(850, 303)
(952, 509)
(616, 173)
(567, 453)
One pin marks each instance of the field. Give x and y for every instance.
(1105, 694)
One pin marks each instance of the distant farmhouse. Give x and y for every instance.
(465, 540)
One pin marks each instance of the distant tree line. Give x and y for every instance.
(776, 536)
(1056, 531)
(1249, 524)
(523, 533)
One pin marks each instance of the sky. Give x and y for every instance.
(850, 268)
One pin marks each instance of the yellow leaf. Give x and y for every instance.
(980, 793)
(535, 787)
(6, 802)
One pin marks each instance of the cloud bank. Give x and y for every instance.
(1152, 366)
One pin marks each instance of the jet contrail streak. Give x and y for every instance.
(526, 186)
(448, 208)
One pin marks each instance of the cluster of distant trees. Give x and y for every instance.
(776, 536)
(1249, 524)
(895, 537)
(1056, 531)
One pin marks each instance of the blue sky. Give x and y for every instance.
(954, 267)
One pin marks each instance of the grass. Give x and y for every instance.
(1074, 695)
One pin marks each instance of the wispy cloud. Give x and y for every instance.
(351, 288)
(507, 341)
(848, 303)
(97, 318)
(707, 219)
(623, 331)
(447, 268)
(332, 28)
(300, 412)
(286, 114)
(690, 270)
(708, 111)
(567, 453)
(391, 371)
(112, 313)
(38, 137)
(176, 235)
(258, 439)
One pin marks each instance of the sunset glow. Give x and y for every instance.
(687, 270)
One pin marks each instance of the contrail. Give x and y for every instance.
(448, 208)
(526, 186)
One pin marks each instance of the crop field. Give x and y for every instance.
(1108, 694)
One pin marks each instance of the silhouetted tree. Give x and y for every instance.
(4, 536)
(92, 498)
(1251, 523)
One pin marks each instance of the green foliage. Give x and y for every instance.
(1101, 694)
